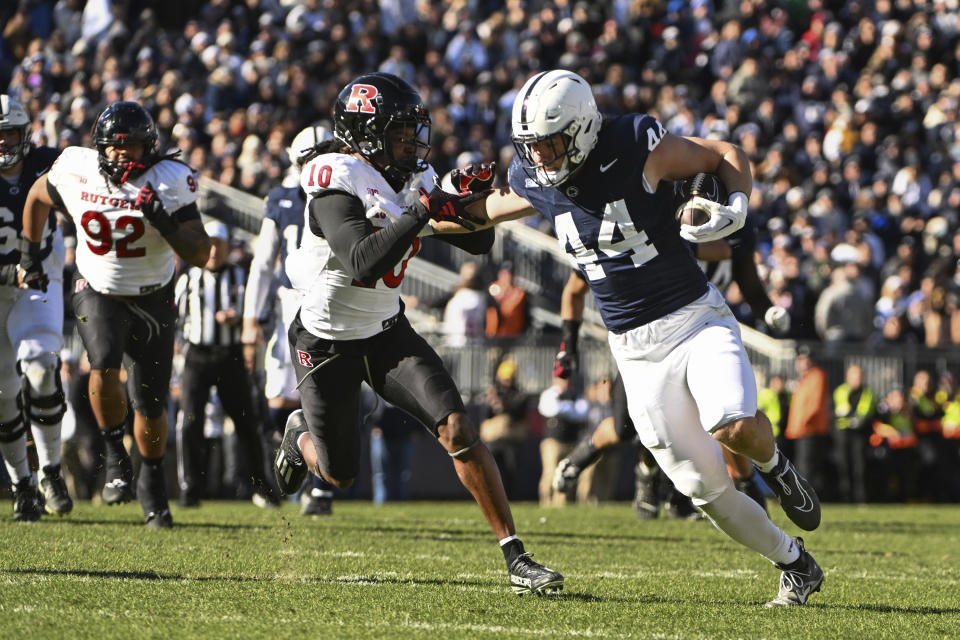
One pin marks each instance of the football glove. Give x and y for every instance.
(31, 266)
(777, 319)
(724, 219)
(449, 207)
(567, 361)
(565, 476)
(474, 178)
(148, 202)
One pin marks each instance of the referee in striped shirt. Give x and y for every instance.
(211, 303)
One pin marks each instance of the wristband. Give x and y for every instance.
(738, 201)
(569, 333)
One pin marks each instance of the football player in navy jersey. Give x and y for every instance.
(724, 261)
(31, 327)
(280, 234)
(371, 196)
(606, 186)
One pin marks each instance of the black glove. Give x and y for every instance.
(474, 178)
(567, 359)
(448, 207)
(31, 265)
(148, 201)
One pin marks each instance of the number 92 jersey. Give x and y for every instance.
(335, 306)
(118, 251)
(624, 239)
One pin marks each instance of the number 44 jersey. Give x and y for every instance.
(118, 251)
(623, 237)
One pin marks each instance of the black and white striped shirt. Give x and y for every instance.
(200, 294)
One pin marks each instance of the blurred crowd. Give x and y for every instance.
(847, 109)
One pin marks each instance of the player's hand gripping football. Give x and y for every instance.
(30, 273)
(474, 178)
(148, 202)
(451, 207)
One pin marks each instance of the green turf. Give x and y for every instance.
(432, 570)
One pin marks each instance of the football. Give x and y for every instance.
(705, 185)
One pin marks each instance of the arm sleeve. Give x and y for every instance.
(476, 243)
(745, 273)
(366, 254)
(186, 212)
(261, 269)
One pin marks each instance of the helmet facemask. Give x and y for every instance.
(13, 118)
(124, 124)
(552, 147)
(555, 106)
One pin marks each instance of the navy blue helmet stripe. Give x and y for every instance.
(523, 109)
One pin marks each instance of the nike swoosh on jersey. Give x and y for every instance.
(604, 167)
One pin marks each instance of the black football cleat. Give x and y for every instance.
(159, 519)
(57, 500)
(316, 502)
(27, 503)
(289, 469)
(118, 487)
(798, 581)
(796, 496)
(527, 576)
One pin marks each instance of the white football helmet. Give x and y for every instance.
(13, 116)
(304, 142)
(549, 103)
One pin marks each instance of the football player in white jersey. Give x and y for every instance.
(279, 235)
(31, 328)
(370, 197)
(606, 186)
(134, 210)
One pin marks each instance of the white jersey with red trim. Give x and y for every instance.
(118, 251)
(335, 306)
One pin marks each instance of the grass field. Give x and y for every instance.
(432, 570)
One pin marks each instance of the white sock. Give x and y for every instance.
(47, 439)
(508, 539)
(15, 458)
(769, 464)
(744, 520)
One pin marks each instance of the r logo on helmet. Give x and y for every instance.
(360, 100)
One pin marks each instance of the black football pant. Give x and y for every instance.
(203, 368)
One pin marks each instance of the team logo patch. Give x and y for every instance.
(361, 98)
(304, 358)
(81, 284)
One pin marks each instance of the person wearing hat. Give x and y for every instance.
(210, 300)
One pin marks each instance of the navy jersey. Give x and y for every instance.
(12, 198)
(743, 243)
(285, 206)
(624, 239)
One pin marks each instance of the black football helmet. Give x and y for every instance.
(125, 123)
(373, 104)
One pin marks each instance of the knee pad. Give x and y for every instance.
(11, 419)
(43, 394)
